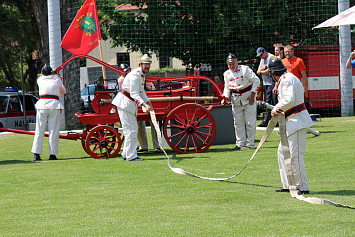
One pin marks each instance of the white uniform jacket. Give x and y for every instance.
(243, 78)
(50, 86)
(133, 84)
(291, 95)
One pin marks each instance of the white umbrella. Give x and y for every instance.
(347, 17)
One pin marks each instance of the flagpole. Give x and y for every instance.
(103, 68)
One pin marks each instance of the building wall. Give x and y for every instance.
(110, 57)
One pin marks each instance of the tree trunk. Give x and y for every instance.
(41, 14)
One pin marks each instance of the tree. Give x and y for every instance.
(206, 31)
(40, 13)
(19, 34)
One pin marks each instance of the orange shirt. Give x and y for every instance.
(295, 66)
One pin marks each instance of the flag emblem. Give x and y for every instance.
(87, 24)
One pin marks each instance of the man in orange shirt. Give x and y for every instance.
(296, 66)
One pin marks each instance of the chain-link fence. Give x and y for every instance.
(197, 36)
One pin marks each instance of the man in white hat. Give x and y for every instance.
(131, 95)
(240, 87)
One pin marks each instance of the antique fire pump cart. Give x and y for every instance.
(188, 126)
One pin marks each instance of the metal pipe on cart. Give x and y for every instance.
(269, 106)
(174, 98)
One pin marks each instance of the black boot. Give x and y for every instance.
(52, 157)
(263, 123)
(36, 157)
(266, 119)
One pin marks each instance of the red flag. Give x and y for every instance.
(84, 33)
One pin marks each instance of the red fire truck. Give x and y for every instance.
(323, 71)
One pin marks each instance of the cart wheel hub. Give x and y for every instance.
(104, 143)
(190, 129)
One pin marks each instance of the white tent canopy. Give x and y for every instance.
(345, 18)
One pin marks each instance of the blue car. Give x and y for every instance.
(88, 93)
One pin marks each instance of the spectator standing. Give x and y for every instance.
(351, 62)
(240, 87)
(298, 120)
(127, 69)
(220, 85)
(296, 66)
(268, 83)
(49, 108)
(131, 95)
(142, 132)
(279, 51)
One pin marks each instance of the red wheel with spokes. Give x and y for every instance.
(190, 128)
(103, 142)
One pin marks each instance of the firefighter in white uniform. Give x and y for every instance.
(298, 120)
(48, 109)
(142, 133)
(240, 87)
(130, 96)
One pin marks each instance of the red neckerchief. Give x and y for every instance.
(278, 82)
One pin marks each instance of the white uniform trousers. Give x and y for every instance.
(52, 116)
(297, 145)
(142, 136)
(244, 117)
(130, 132)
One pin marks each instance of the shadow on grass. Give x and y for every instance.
(337, 192)
(76, 158)
(330, 132)
(12, 162)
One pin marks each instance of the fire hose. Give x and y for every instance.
(285, 149)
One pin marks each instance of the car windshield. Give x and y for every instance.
(85, 90)
(3, 102)
(111, 85)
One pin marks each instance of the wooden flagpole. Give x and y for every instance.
(103, 68)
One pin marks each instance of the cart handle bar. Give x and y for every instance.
(73, 136)
(113, 68)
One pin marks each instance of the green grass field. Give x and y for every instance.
(81, 196)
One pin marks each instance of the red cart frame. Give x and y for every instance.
(188, 126)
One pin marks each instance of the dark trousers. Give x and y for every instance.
(271, 98)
